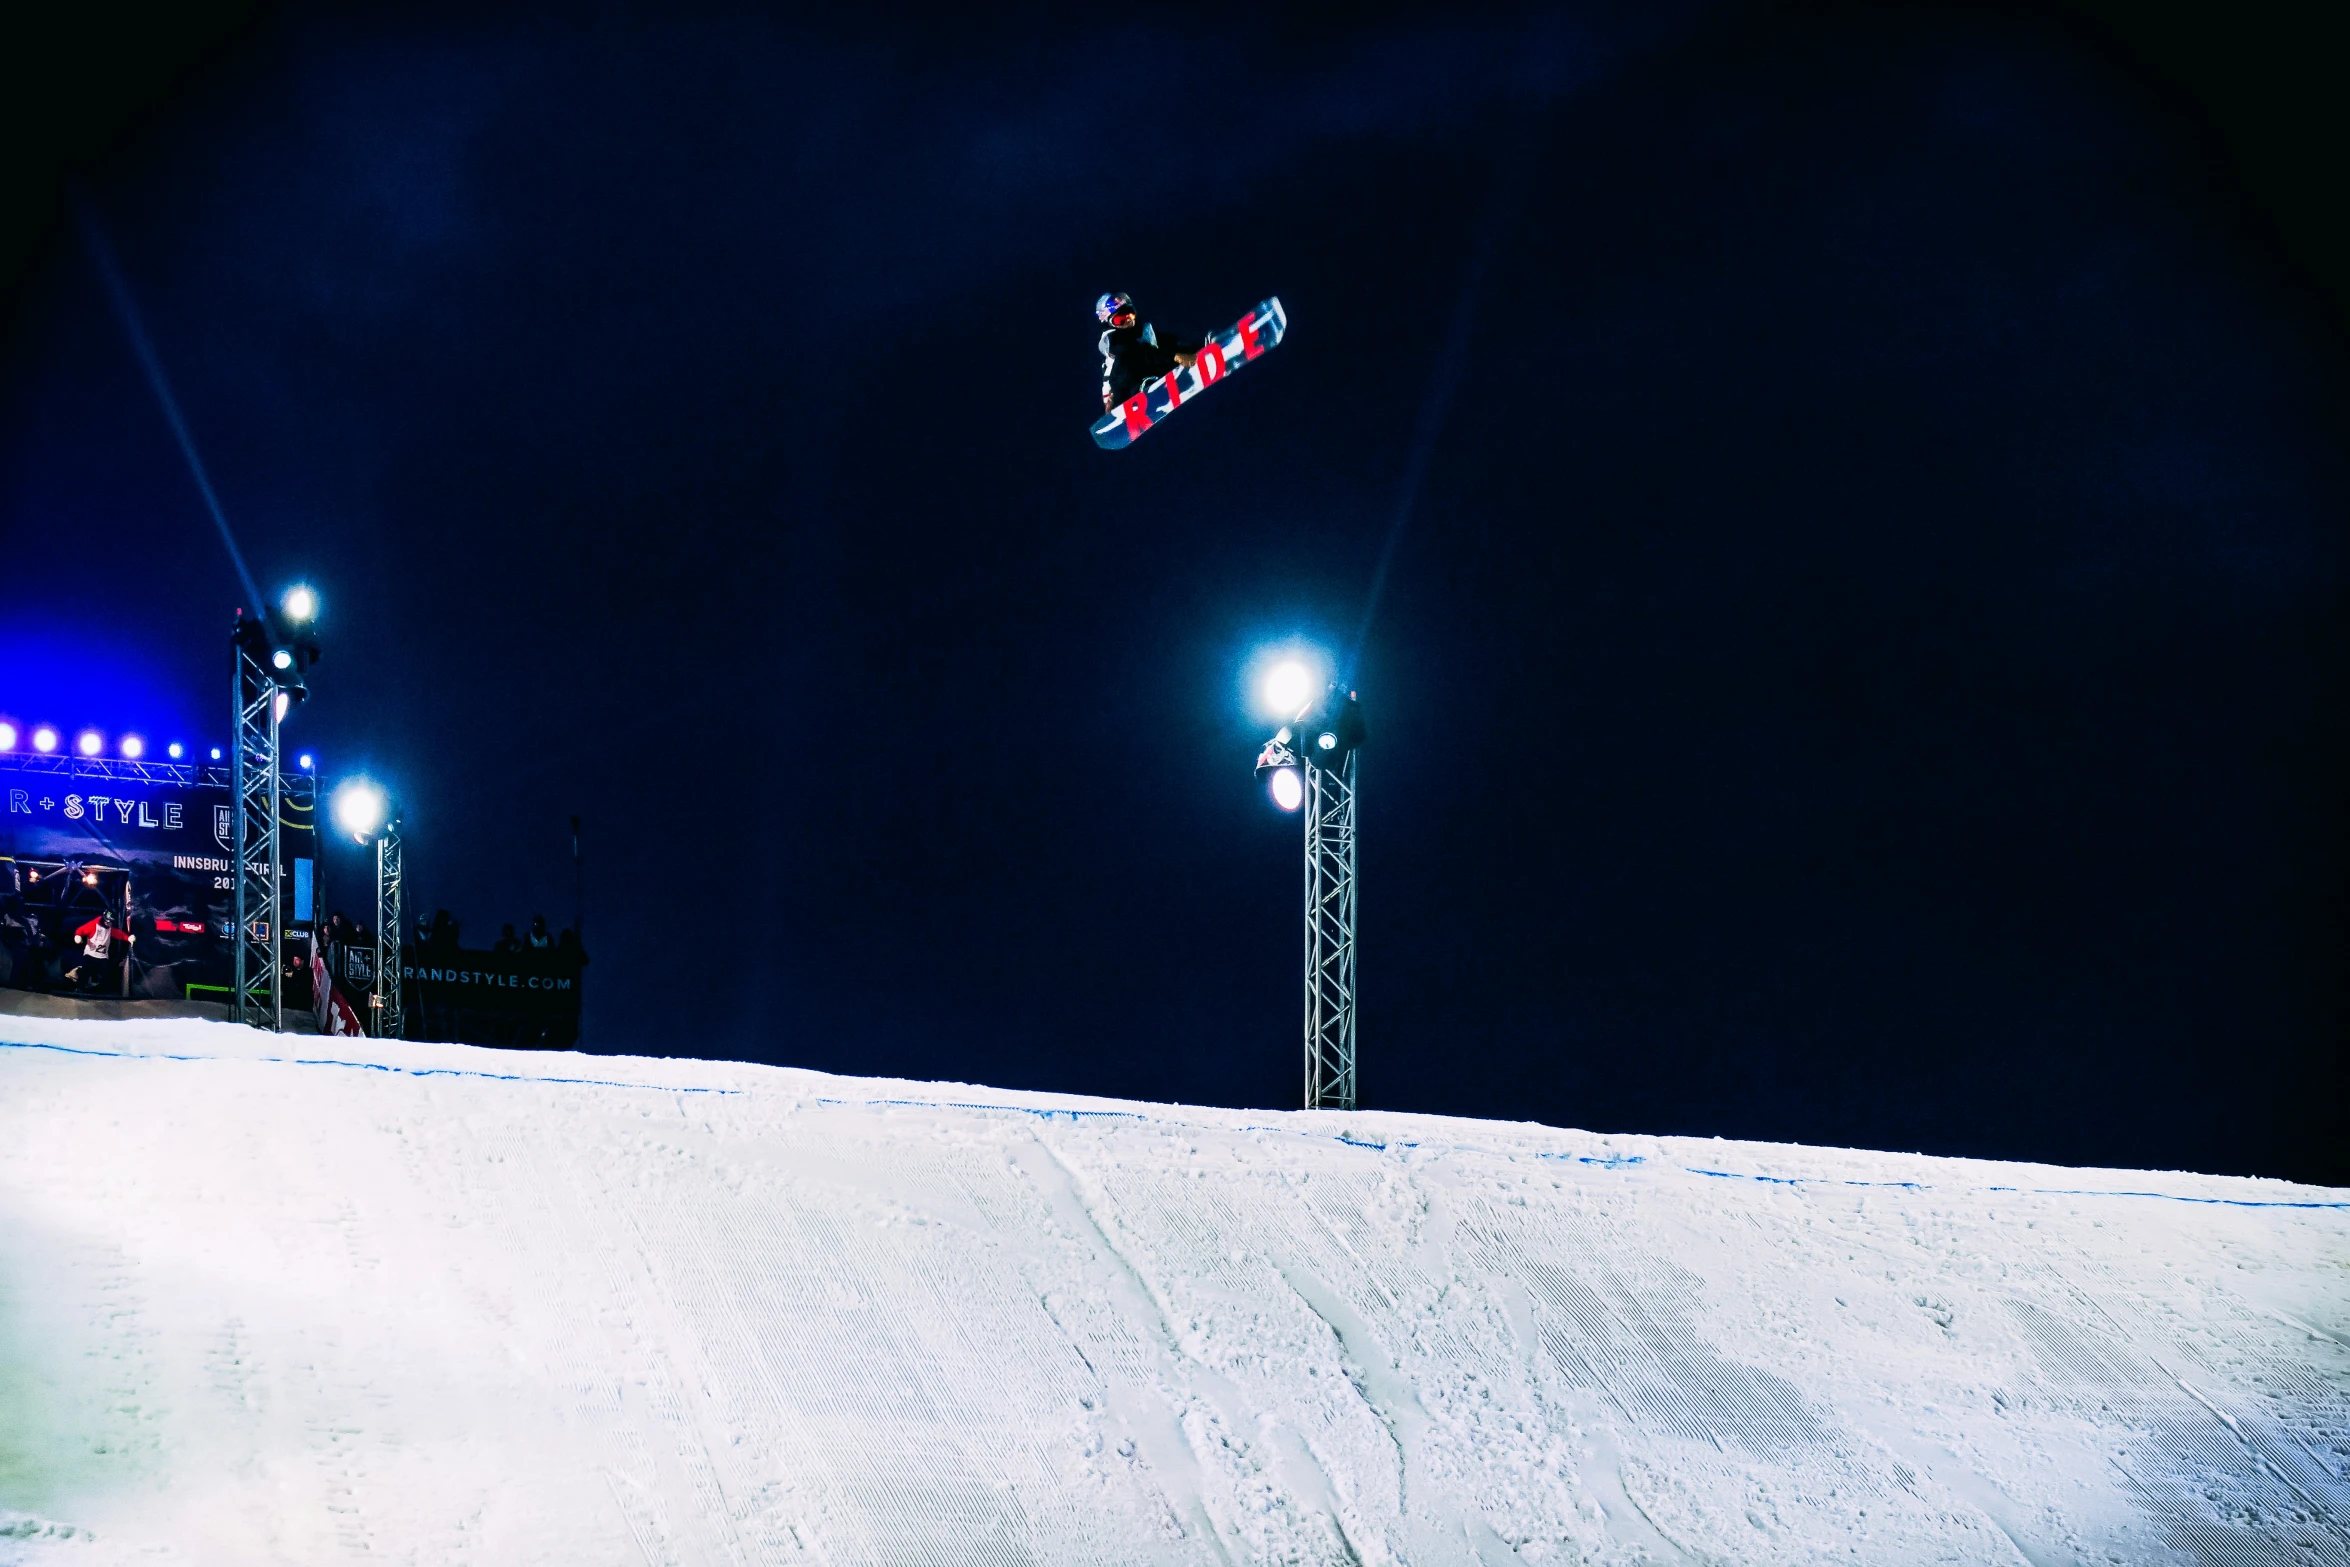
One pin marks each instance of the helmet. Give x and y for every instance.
(1111, 305)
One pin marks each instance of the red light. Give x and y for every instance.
(192, 927)
(162, 925)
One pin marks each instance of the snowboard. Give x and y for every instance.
(1223, 353)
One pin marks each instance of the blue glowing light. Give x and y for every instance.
(176, 750)
(305, 761)
(1282, 679)
(7, 737)
(90, 743)
(133, 747)
(44, 739)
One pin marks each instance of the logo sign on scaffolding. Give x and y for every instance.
(171, 826)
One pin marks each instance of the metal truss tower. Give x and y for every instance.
(391, 1019)
(1330, 934)
(257, 982)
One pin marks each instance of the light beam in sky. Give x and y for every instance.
(120, 293)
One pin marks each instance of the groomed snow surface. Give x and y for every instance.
(276, 1300)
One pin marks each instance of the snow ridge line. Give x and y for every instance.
(2027, 1191)
(366, 1066)
(1604, 1162)
(1047, 1113)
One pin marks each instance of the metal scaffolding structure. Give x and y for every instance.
(391, 1018)
(257, 978)
(73, 766)
(1330, 934)
(1312, 765)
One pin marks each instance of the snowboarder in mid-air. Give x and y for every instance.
(1146, 377)
(1132, 351)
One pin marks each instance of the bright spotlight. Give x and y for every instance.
(1327, 741)
(44, 739)
(1289, 790)
(90, 743)
(7, 737)
(176, 750)
(216, 753)
(305, 761)
(300, 606)
(283, 658)
(133, 747)
(359, 808)
(1289, 685)
(89, 878)
(285, 699)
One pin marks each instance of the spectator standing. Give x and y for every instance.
(507, 941)
(538, 938)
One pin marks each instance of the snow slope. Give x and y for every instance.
(277, 1300)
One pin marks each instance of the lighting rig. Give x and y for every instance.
(45, 749)
(363, 810)
(272, 650)
(1309, 764)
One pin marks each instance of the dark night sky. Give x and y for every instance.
(1867, 664)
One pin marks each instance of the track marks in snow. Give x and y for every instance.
(485, 1319)
(2228, 1484)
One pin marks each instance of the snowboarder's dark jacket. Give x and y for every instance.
(1131, 355)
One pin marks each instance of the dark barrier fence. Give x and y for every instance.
(526, 1000)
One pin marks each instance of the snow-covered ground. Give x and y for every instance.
(276, 1300)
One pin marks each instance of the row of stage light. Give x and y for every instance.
(44, 739)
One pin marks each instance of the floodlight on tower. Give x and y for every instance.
(1289, 685)
(133, 747)
(90, 743)
(299, 606)
(44, 739)
(1308, 769)
(360, 807)
(7, 737)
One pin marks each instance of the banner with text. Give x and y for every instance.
(152, 854)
